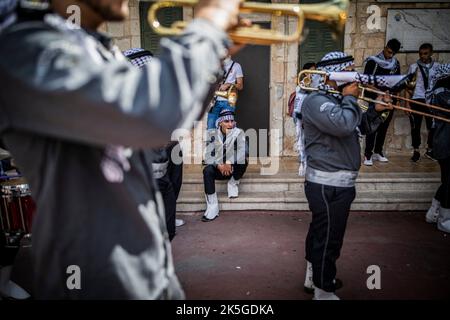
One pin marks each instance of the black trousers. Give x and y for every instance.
(416, 122)
(330, 207)
(211, 174)
(170, 186)
(443, 193)
(7, 255)
(170, 204)
(175, 171)
(375, 141)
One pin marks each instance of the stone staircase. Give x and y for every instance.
(408, 188)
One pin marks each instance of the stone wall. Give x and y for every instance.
(126, 34)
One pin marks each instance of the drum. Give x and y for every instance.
(17, 210)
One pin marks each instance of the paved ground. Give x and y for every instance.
(259, 255)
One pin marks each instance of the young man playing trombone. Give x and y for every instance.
(332, 125)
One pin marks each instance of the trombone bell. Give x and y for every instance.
(332, 11)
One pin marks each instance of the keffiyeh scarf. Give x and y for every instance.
(138, 57)
(379, 59)
(390, 81)
(435, 75)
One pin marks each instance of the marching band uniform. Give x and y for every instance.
(439, 211)
(332, 126)
(71, 100)
(168, 175)
(8, 288)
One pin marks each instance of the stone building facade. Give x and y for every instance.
(358, 41)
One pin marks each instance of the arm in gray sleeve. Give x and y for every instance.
(339, 120)
(51, 87)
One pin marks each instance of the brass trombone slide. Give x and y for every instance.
(333, 12)
(393, 96)
(304, 81)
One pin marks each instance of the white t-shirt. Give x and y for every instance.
(235, 73)
(419, 91)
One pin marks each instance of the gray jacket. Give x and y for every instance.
(332, 128)
(68, 104)
(232, 147)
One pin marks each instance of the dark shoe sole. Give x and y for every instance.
(205, 219)
(308, 290)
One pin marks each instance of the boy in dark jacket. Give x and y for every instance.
(384, 63)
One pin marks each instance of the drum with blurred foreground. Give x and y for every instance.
(17, 210)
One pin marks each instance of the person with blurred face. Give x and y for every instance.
(75, 115)
(422, 69)
(384, 63)
(226, 159)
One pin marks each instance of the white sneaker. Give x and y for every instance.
(368, 162)
(433, 212)
(379, 157)
(233, 189)
(212, 208)
(443, 221)
(309, 284)
(320, 294)
(179, 222)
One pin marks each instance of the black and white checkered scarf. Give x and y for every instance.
(138, 57)
(435, 75)
(225, 115)
(335, 61)
(389, 64)
(382, 82)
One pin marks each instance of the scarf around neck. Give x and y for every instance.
(379, 59)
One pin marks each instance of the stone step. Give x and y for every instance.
(295, 200)
(281, 183)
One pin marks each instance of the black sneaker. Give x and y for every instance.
(429, 155)
(416, 156)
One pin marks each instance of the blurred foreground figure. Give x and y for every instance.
(74, 115)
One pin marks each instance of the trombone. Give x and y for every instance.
(304, 81)
(332, 12)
